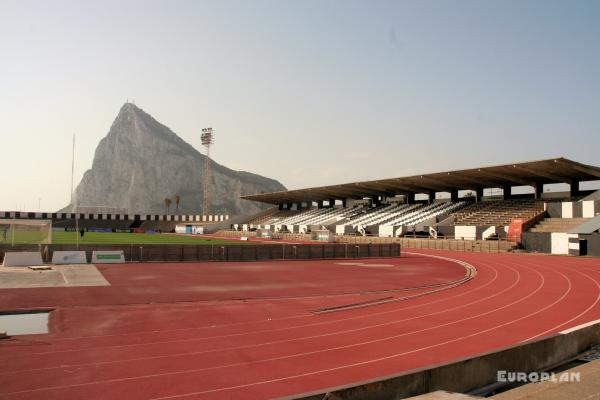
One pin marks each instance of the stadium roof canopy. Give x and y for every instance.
(532, 173)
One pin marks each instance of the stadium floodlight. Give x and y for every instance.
(207, 139)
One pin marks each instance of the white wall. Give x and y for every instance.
(465, 232)
(587, 209)
(560, 242)
(386, 231)
(567, 209)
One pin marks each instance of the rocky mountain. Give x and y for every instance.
(141, 162)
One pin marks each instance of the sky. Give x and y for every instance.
(306, 92)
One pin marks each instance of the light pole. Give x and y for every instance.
(207, 140)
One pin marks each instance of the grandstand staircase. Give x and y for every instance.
(558, 224)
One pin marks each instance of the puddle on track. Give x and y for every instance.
(24, 323)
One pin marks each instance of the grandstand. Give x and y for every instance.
(392, 207)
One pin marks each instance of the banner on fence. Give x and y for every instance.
(108, 257)
(69, 257)
(22, 258)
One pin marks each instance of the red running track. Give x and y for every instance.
(109, 343)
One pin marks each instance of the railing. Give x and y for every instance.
(207, 253)
(416, 242)
(426, 242)
(534, 220)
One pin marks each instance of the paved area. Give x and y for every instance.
(443, 395)
(58, 276)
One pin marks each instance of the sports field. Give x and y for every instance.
(133, 238)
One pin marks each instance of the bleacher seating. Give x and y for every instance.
(370, 214)
(264, 216)
(311, 216)
(421, 214)
(363, 218)
(498, 213)
(297, 218)
(332, 214)
(274, 218)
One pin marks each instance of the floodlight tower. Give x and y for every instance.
(207, 140)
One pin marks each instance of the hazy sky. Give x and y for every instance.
(307, 92)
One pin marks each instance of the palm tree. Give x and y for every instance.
(168, 204)
(177, 200)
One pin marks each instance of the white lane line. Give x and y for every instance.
(578, 327)
(581, 313)
(341, 347)
(297, 316)
(367, 361)
(335, 333)
(358, 317)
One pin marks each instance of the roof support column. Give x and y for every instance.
(280, 206)
(320, 204)
(331, 202)
(454, 195)
(506, 192)
(479, 194)
(410, 199)
(539, 189)
(575, 189)
(431, 196)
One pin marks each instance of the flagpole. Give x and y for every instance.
(72, 168)
(73, 198)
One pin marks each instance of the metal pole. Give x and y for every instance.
(76, 230)
(72, 167)
(13, 230)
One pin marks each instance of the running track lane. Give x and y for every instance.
(513, 298)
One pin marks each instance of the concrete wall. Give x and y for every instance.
(540, 242)
(593, 244)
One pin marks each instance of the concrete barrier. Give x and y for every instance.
(468, 374)
(108, 257)
(69, 257)
(22, 258)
